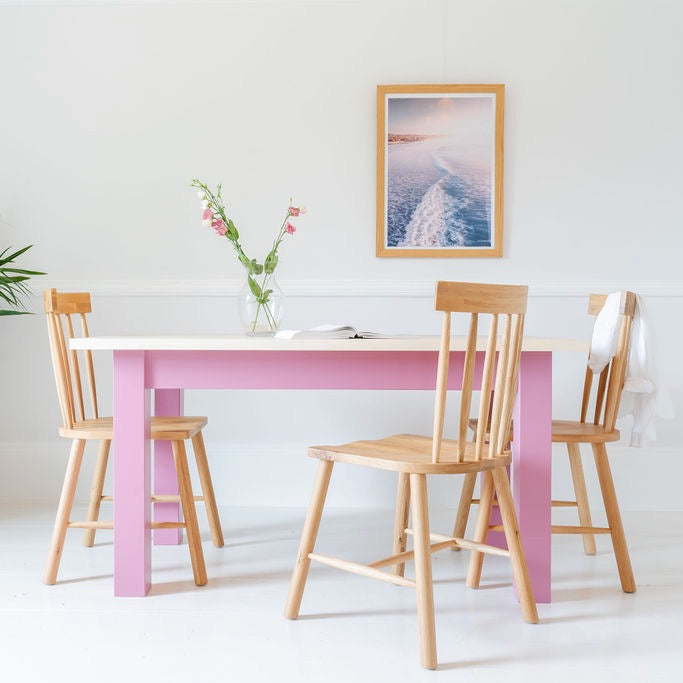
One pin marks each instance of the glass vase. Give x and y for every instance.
(260, 305)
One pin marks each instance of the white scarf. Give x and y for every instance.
(644, 395)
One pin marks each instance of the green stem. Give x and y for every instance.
(266, 308)
(258, 308)
(270, 318)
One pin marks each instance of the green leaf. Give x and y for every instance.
(10, 295)
(13, 256)
(254, 287)
(14, 279)
(21, 270)
(271, 262)
(232, 231)
(256, 268)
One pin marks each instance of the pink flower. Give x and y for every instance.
(207, 215)
(294, 211)
(291, 229)
(220, 227)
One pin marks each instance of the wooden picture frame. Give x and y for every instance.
(440, 170)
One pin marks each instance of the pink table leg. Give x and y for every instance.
(531, 465)
(132, 509)
(169, 403)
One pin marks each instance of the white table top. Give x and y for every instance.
(246, 343)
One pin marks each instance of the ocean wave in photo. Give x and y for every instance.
(439, 195)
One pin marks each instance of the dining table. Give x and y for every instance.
(168, 364)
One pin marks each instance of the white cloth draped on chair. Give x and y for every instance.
(644, 395)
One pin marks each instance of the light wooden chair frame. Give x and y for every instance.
(413, 457)
(60, 307)
(603, 402)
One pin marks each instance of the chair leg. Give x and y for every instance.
(194, 540)
(481, 529)
(464, 506)
(308, 536)
(207, 490)
(511, 528)
(401, 519)
(581, 496)
(96, 490)
(609, 497)
(423, 570)
(66, 501)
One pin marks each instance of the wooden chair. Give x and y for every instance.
(597, 433)
(59, 308)
(414, 457)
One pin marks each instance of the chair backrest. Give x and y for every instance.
(611, 381)
(505, 307)
(59, 308)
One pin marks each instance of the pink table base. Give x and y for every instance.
(169, 372)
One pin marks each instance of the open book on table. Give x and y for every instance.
(332, 332)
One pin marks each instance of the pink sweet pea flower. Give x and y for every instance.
(291, 229)
(220, 227)
(207, 215)
(294, 211)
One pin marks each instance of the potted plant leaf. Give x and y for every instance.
(13, 282)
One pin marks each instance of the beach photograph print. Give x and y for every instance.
(439, 170)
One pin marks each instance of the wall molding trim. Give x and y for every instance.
(351, 287)
(60, 448)
(237, 467)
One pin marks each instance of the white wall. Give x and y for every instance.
(107, 109)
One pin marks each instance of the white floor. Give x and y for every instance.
(351, 628)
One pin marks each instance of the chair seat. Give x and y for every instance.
(408, 453)
(162, 428)
(568, 431)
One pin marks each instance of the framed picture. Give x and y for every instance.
(440, 170)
